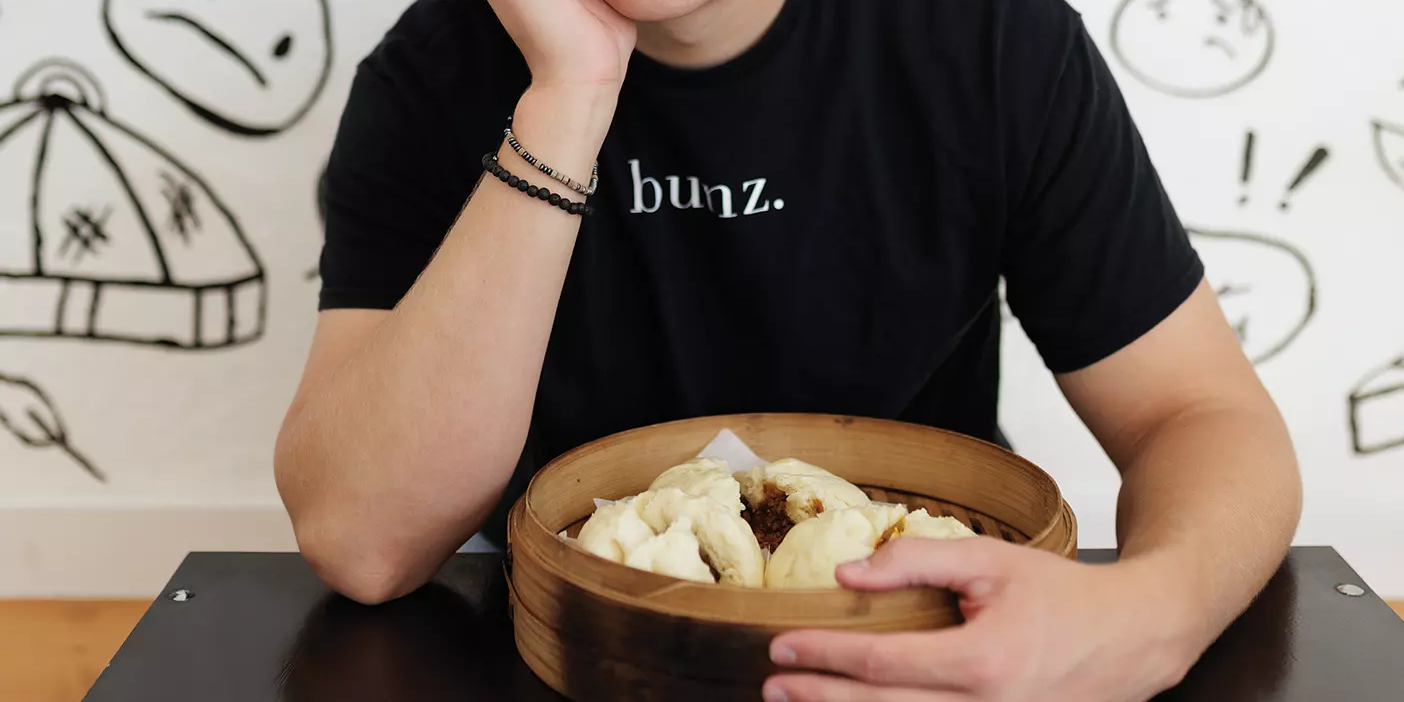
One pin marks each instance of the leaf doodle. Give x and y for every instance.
(27, 412)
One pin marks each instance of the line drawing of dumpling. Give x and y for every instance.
(254, 68)
(115, 238)
(1266, 288)
(1389, 148)
(1193, 48)
(1377, 409)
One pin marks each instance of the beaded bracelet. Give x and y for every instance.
(497, 171)
(564, 179)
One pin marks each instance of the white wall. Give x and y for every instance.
(184, 437)
(187, 472)
(1334, 69)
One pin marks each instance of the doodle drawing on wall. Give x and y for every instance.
(115, 240)
(27, 412)
(1377, 409)
(1266, 287)
(1309, 168)
(1193, 48)
(1389, 148)
(254, 71)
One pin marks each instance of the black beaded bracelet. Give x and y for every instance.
(495, 169)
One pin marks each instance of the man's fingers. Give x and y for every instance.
(822, 688)
(942, 659)
(972, 566)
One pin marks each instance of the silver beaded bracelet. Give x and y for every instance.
(560, 177)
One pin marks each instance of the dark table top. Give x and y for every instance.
(261, 627)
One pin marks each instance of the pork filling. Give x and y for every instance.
(892, 531)
(768, 518)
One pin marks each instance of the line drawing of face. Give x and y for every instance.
(1266, 288)
(1389, 147)
(252, 68)
(1193, 48)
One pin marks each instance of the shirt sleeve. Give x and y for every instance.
(392, 187)
(1094, 255)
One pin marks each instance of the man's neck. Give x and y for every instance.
(716, 33)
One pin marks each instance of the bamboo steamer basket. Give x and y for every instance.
(597, 630)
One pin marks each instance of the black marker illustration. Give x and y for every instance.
(27, 412)
(116, 239)
(1389, 148)
(1377, 409)
(253, 68)
(1193, 48)
(1309, 168)
(1266, 287)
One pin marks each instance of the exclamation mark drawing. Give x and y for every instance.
(1247, 173)
(1313, 164)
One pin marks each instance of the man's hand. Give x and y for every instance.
(574, 43)
(1038, 627)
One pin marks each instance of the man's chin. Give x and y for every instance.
(655, 10)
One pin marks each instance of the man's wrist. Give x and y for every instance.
(565, 122)
(1168, 591)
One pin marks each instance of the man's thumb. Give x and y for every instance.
(971, 566)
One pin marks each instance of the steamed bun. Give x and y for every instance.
(698, 521)
(922, 525)
(670, 532)
(815, 547)
(675, 552)
(727, 542)
(614, 530)
(782, 494)
(809, 489)
(702, 477)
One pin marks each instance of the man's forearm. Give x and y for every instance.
(1210, 501)
(395, 453)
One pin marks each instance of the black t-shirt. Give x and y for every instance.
(818, 225)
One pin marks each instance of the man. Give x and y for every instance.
(803, 205)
